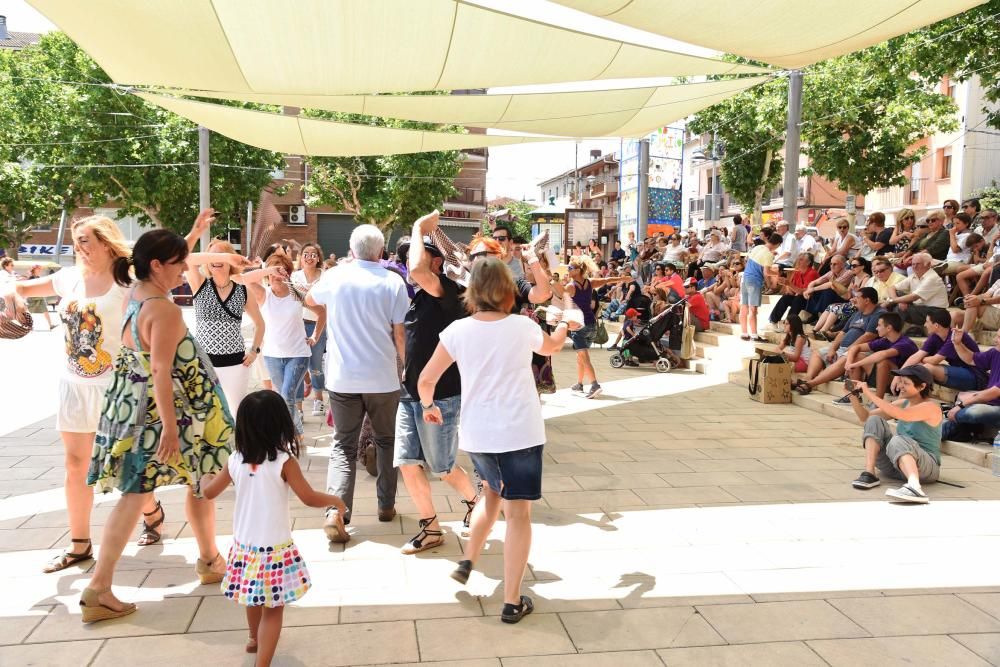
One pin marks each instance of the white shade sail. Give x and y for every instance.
(785, 33)
(598, 113)
(295, 135)
(336, 47)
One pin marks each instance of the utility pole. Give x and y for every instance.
(792, 136)
(60, 234)
(204, 192)
(643, 221)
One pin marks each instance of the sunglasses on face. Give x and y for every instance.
(843, 228)
(856, 266)
(948, 206)
(501, 238)
(881, 269)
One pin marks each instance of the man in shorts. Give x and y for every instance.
(752, 287)
(421, 447)
(860, 329)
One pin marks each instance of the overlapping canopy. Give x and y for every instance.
(625, 112)
(310, 136)
(785, 33)
(336, 47)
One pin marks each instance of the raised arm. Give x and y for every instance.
(202, 224)
(419, 260)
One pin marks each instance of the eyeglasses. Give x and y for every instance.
(856, 266)
(882, 269)
(310, 254)
(843, 228)
(483, 253)
(948, 206)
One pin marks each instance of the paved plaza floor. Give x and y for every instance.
(681, 524)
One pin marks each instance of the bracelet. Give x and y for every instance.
(427, 407)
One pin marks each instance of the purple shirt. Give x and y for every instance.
(904, 347)
(989, 360)
(934, 345)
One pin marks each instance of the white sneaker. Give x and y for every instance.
(907, 494)
(319, 408)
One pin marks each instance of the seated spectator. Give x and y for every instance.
(792, 299)
(877, 239)
(675, 254)
(938, 355)
(913, 453)
(918, 295)
(860, 328)
(965, 248)
(709, 274)
(821, 293)
(976, 413)
(630, 297)
(795, 347)
(710, 253)
(784, 256)
(725, 285)
(976, 278)
(981, 311)
(618, 253)
(660, 302)
(988, 228)
(883, 277)
(836, 314)
(697, 306)
(934, 240)
(885, 354)
(903, 232)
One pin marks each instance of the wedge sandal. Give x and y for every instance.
(93, 611)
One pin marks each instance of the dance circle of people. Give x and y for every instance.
(144, 404)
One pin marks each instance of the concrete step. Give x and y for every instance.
(821, 402)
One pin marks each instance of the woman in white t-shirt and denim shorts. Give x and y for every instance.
(493, 351)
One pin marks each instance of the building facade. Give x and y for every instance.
(582, 192)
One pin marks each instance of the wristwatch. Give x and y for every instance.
(255, 350)
(959, 403)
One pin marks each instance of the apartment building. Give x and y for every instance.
(593, 187)
(956, 164)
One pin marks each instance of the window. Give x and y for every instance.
(944, 160)
(915, 178)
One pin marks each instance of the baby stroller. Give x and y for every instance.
(644, 346)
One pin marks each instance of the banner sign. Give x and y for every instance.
(43, 250)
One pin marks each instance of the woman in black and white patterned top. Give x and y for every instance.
(220, 301)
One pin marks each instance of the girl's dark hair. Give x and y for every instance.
(273, 248)
(866, 265)
(264, 428)
(794, 331)
(157, 244)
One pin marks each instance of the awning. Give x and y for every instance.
(785, 33)
(310, 136)
(336, 47)
(628, 112)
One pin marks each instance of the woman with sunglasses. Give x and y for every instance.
(837, 313)
(310, 270)
(951, 209)
(902, 235)
(844, 244)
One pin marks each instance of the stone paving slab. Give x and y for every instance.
(680, 524)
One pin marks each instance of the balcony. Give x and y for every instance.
(914, 193)
(603, 189)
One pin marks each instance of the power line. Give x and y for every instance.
(94, 141)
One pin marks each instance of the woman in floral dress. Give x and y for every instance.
(164, 419)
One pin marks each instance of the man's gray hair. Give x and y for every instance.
(367, 243)
(922, 258)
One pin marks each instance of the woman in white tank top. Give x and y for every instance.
(286, 349)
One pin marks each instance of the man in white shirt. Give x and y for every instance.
(807, 242)
(786, 255)
(366, 306)
(920, 294)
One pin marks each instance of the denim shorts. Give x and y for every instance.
(583, 337)
(750, 295)
(432, 446)
(514, 475)
(964, 379)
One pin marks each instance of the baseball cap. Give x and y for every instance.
(632, 312)
(918, 372)
(691, 282)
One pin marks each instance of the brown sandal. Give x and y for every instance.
(251, 645)
(68, 558)
(150, 535)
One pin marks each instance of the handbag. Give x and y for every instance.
(687, 337)
(770, 379)
(600, 333)
(14, 324)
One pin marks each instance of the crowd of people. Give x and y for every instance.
(428, 347)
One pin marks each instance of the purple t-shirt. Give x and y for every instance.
(904, 347)
(989, 360)
(934, 345)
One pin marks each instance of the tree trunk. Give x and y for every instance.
(758, 195)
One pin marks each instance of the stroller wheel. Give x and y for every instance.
(616, 360)
(663, 365)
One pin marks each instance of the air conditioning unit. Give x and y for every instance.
(296, 215)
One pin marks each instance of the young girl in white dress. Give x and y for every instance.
(265, 571)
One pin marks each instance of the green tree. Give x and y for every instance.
(861, 119)
(54, 125)
(383, 190)
(750, 126)
(960, 47)
(521, 214)
(24, 202)
(989, 197)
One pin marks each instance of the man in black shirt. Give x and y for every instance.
(421, 446)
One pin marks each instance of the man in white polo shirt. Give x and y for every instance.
(366, 305)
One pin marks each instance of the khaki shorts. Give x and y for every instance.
(990, 319)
